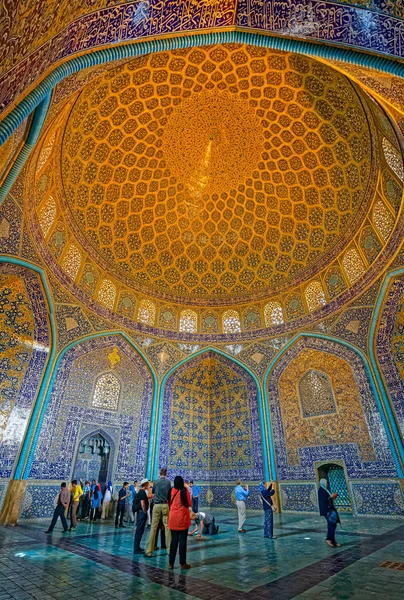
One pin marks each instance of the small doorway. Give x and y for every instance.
(335, 474)
(93, 459)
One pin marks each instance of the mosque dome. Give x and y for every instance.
(215, 176)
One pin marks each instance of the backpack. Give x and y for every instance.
(136, 504)
(95, 494)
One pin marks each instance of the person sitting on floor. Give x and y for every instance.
(206, 524)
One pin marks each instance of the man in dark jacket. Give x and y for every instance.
(120, 505)
(328, 510)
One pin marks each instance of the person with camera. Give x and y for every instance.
(266, 490)
(241, 492)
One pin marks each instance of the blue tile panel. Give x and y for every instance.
(380, 499)
(390, 346)
(25, 396)
(299, 497)
(70, 418)
(225, 449)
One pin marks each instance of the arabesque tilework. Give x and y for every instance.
(24, 346)
(70, 408)
(210, 426)
(358, 438)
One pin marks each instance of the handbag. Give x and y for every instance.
(332, 516)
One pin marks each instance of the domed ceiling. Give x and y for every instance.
(227, 183)
(214, 175)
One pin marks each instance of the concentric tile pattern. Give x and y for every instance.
(97, 561)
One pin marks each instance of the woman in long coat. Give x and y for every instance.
(328, 510)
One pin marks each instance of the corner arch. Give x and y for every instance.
(29, 435)
(370, 378)
(372, 342)
(266, 434)
(52, 381)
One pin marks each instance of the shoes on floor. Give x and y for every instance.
(337, 545)
(186, 566)
(170, 566)
(329, 543)
(148, 555)
(50, 531)
(65, 531)
(242, 531)
(273, 537)
(123, 526)
(72, 529)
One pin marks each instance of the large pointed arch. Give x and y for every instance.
(53, 378)
(29, 436)
(372, 346)
(267, 447)
(369, 373)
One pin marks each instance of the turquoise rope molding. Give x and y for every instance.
(319, 50)
(374, 362)
(29, 435)
(265, 438)
(379, 400)
(35, 128)
(40, 419)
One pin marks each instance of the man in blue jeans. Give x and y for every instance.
(142, 504)
(195, 491)
(120, 506)
(61, 504)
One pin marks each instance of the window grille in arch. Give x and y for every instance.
(315, 296)
(147, 312)
(72, 261)
(107, 293)
(106, 392)
(189, 321)
(383, 219)
(231, 322)
(316, 395)
(47, 215)
(273, 314)
(353, 265)
(393, 158)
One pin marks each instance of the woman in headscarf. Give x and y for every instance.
(266, 490)
(106, 500)
(328, 510)
(179, 521)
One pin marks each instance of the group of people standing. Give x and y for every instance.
(170, 510)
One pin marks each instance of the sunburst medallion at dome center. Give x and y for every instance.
(212, 142)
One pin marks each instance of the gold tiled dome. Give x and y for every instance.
(216, 174)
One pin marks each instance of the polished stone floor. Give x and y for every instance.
(96, 561)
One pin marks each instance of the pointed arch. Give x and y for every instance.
(96, 430)
(52, 380)
(266, 434)
(371, 376)
(31, 435)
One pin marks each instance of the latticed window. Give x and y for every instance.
(47, 215)
(106, 392)
(72, 261)
(393, 158)
(383, 219)
(107, 293)
(273, 314)
(231, 322)
(316, 395)
(315, 295)
(189, 321)
(147, 312)
(353, 265)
